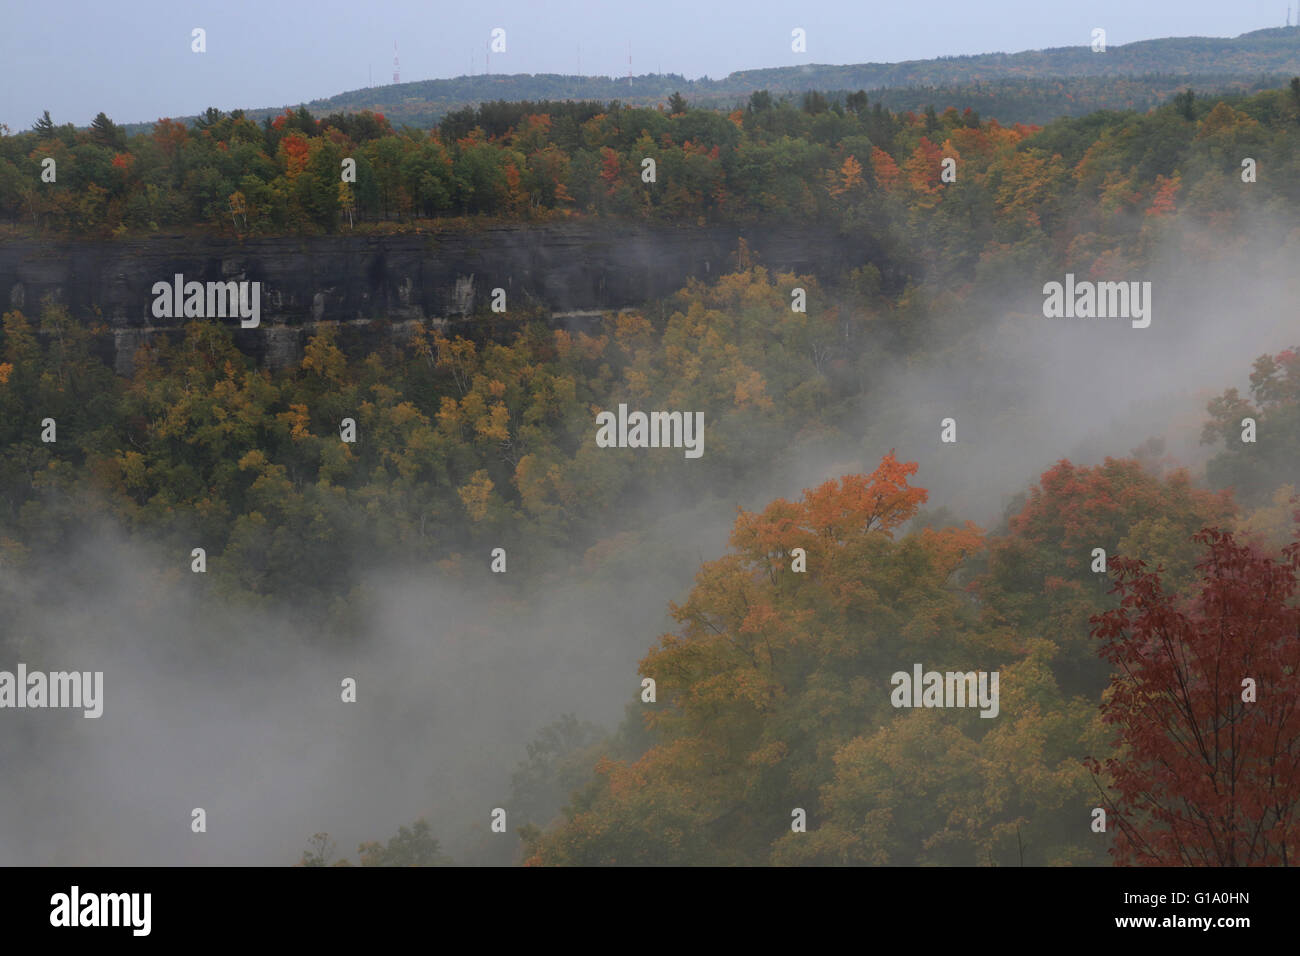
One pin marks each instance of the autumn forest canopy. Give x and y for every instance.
(1141, 611)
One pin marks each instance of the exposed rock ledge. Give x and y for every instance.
(436, 279)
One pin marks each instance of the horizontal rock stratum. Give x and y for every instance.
(436, 278)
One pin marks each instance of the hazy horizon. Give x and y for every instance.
(299, 52)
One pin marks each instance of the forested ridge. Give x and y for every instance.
(1029, 86)
(845, 161)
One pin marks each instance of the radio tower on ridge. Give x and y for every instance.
(397, 70)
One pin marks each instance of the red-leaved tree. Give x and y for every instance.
(1206, 702)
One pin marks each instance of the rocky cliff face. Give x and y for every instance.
(377, 286)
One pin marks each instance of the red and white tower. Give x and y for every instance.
(397, 70)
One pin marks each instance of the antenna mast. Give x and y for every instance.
(397, 70)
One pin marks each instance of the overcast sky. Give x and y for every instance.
(132, 58)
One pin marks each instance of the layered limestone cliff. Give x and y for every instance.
(378, 286)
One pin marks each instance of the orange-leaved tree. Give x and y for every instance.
(784, 653)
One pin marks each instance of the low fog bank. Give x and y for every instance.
(1032, 390)
(241, 714)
